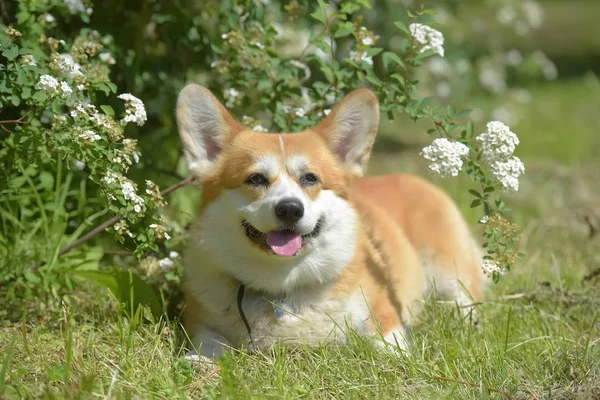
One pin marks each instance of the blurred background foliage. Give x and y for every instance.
(531, 64)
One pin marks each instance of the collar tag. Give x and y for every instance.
(281, 308)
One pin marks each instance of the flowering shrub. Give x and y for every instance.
(66, 127)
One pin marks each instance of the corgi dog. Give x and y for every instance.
(292, 245)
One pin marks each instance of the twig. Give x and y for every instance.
(205, 377)
(491, 389)
(100, 228)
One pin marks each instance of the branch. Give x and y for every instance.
(107, 224)
(491, 389)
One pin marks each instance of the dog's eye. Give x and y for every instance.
(257, 180)
(309, 179)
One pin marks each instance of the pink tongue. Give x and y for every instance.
(284, 243)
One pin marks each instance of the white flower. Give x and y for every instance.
(506, 113)
(259, 45)
(549, 69)
(463, 66)
(506, 15)
(231, 93)
(111, 177)
(80, 165)
(439, 66)
(47, 83)
(484, 219)
(445, 156)
(427, 38)
(491, 266)
(327, 111)
(81, 86)
(367, 41)
(67, 66)
(137, 208)
(508, 172)
(28, 59)
(300, 112)
(259, 128)
(90, 136)
(173, 255)
(107, 58)
(49, 18)
(443, 89)
(89, 11)
(65, 89)
(135, 110)
(534, 13)
(498, 143)
(513, 57)
(358, 56)
(166, 264)
(75, 6)
(492, 79)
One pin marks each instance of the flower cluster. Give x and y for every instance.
(52, 86)
(128, 189)
(497, 147)
(427, 38)
(445, 156)
(233, 97)
(88, 111)
(153, 267)
(153, 191)
(65, 65)
(134, 111)
(122, 228)
(360, 56)
(160, 231)
(90, 136)
(253, 124)
(491, 267)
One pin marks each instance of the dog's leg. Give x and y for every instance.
(399, 338)
(210, 343)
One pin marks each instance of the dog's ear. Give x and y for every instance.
(205, 126)
(350, 129)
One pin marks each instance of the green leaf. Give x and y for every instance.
(475, 193)
(40, 96)
(470, 129)
(344, 29)
(349, 8)
(400, 25)
(127, 288)
(11, 53)
(108, 110)
(16, 100)
(320, 16)
(388, 57)
(32, 277)
(464, 113)
(328, 72)
(374, 80)
(475, 203)
(450, 110)
(47, 180)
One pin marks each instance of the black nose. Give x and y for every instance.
(289, 211)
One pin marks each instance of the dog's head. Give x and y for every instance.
(275, 210)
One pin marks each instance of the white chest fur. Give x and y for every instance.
(309, 316)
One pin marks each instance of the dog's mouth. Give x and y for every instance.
(285, 243)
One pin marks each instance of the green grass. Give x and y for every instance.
(539, 327)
